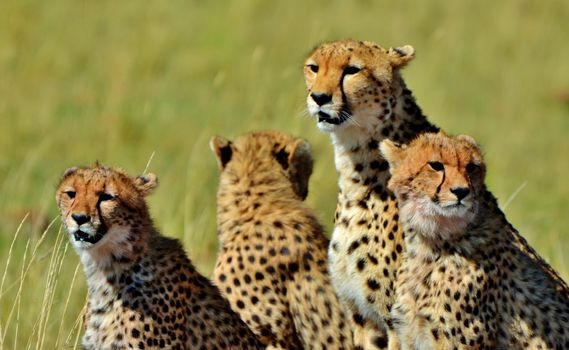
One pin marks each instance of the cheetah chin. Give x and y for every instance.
(438, 221)
(328, 123)
(328, 120)
(82, 236)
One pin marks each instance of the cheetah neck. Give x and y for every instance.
(245, 197)
(487, 229)
(117, 252)
(362, 169)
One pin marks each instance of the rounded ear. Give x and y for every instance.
(222, 149)
(400, 56)
(301, 164)
(301, 155)
(146, 183)
(392, 152)
(69, 171)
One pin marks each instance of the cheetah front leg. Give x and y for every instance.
(368, 336)
(376, 338)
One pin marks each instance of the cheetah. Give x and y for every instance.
(272, 264)
(464, 282)
(143, 291)
(357, 94)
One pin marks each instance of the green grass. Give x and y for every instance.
(120, 80)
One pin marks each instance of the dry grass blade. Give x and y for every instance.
(10, 253)
(149, 161)
(513, 195)
(18, 295)
(51, 285)
(69, 294)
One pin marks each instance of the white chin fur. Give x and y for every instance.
(313, 109)
(436, 222)
(329, 128)
(80, 245)
(115, 242)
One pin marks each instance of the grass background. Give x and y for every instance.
(120, 80)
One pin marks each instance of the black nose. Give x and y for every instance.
(321, 98)
(80, 218)
(460, 192)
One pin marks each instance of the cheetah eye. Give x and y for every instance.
(70, 194)
(106, 197)
(351, 70)
(471, 168)
(437, 166)
(313, 67)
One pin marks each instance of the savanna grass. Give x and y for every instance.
(119, 81)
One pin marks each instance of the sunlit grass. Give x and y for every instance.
(121, 81)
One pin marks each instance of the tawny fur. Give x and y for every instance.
(365, 107)
(468, 280)
(272, 263)
(144, 293)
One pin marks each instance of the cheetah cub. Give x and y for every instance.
(272, 265)
(466, 281)
(144, 293)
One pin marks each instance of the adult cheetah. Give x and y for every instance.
(144, 293)
(357, 94)
(464, 282)
(272, 265)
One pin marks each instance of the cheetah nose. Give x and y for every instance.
(80, 218)
(321, 98)
(460, 192)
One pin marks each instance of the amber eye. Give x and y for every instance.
(351, 70)
(313, 67)
(70, 194)
(471, 168)
(437, 166)
(106, 197)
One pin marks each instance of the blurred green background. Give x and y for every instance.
(119, 81)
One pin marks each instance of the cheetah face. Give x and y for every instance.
(438, 181)
(350, 83)
(97, 204)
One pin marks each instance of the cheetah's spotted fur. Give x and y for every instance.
(272, 265)
(358, 95)
(144, 293)
(466, 281)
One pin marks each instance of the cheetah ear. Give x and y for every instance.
(392, 152)
(222, 149)
(69, 171)
(301, 155)
(400, 56)
(146, 183)
(301, 164)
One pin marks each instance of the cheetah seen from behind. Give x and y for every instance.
(143, 291)
(464, 282)
(357, 94)
(272, 264)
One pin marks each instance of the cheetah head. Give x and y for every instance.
(438, 181)
(99, 205)
(269, 152)
(350, 83)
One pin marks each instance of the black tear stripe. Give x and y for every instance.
(344, 98)
(440, 186)
(103, 228)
